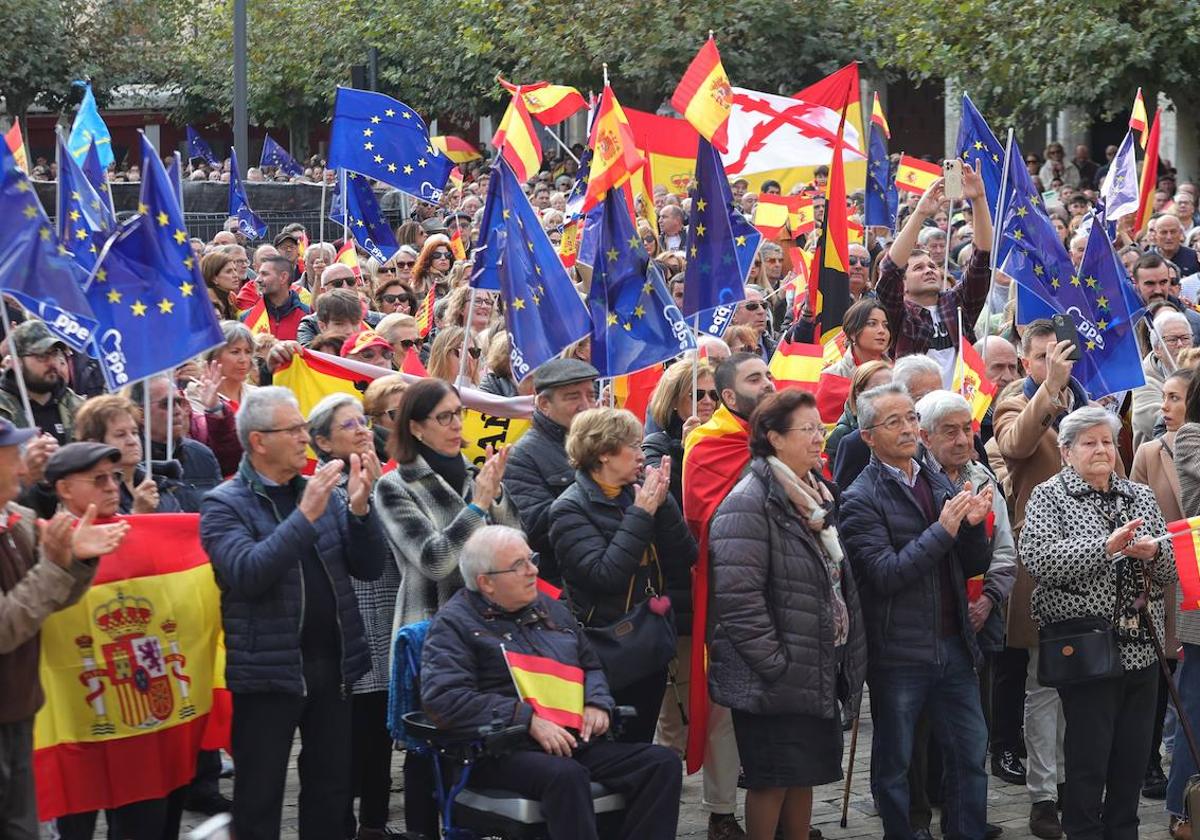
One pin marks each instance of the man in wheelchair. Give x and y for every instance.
(499, 634)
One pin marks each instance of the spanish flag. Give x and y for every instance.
(714, 456)
(517, 140)
(256, 318)
(1149, 176)
(796, 365)
(551, 104)
(830, 295)
(970, 381)
(1137, 118)
(16, 145)
(615, 156)
(705, 97)
(568, 246)
(134, 675)
(632, 391)
(915, 175)
(348, 256)
(301, 250)
(878, 117)
(554, 690)
(774, 213)
(1185, 539)
(424, 313)
(455, 148)
(669, 146)
(456, 244)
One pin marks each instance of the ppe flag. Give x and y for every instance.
(554, 690)
(882, 200)
(146, 289)
(1120, 188)
(915, 175)
(35, 267)
(250, 225)
(705, 97)
(89, 128)
(720, 242)
(635, 322)
(275, 155)
(543, 311)
(198, 147)
(551, 104)
(359, 211)
(382, 138)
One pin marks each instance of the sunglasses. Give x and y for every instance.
(753, 306)
(405, 264)
(473, 352)
(373, 353)
(340, 282)
(165, 401)
(441, 255)
(410, 343)
(711, 394)
(860, 261)
(387, 270)
(392, 298)
(392, 414)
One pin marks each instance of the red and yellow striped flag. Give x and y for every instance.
(134, 674)
(16, 145)
(1185, 539)
(878, 117)
(970, 381)
(349, 256)
(1149, 176)
(773, 213)
(551, 104)
(1137, 118)
(554, 690)
(615, 156)
(455, 148)
(456, 245)
(796, 365)
(915, 175)
(424, 313)
(705, 97)
(256, 318)
(517, 140)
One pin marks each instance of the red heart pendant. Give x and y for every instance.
(660, 604)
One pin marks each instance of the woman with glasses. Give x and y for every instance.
(483, 314)
(1172, 335)
(432, 266)
(788, 652)
(337, 429)
(114, 420)
(621, 540)
(649, 240)
(445, 356)
(402, 332)
(381, 403)
(404, 260)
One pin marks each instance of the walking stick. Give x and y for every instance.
(849, 772)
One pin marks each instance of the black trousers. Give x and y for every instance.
(1007, 697)
(150, 819)
(1160, 714)
(650, 777)
(645, 695)
(264, 726)
(1106, 746)
(420, 803)
(207, 781)
(370, 761)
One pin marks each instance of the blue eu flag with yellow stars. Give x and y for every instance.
(384, 139)
(251, 226)
(721, 243)
(198, 148)
(83, 225)
(89, 130)
(35, 268)
(359, 212)
(882, 197)
(275, 155)
(635, 323)
(94, 171)
(543, 311)
(146, 289)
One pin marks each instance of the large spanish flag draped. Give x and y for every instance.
(615, 156)
(133, 674)
(1185, 538)
(705, 97)
(551, 104)
(915, 175)
(517, 140)
(554, 690)
(1149, 176)
(669, 146)
(714, 456)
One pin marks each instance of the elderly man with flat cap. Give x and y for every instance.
(44, 566)
(538, 469)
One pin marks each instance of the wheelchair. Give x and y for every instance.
(472, 812)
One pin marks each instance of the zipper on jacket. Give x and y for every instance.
(338, 613)
(303, 596)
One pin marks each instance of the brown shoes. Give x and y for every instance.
(724, 827)
(1043, 820)
(1180, 828)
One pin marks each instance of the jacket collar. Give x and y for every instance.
(1077, 488)
(293, 302)
(419, 468)
(535, 613)
(548, 427)
(589, 486)
(250, 476)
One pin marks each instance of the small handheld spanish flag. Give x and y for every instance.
(348, 256)
(456, 245)
(554, 690)
(1137, 118)
(970, 381)
(424, 312)
(705, 97)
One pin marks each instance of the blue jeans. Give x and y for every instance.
(950, 691)
(1183, 766)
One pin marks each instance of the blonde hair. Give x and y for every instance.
(393, 322)
(499, 361)
(380, 391)
(675, 382)
(601, 431)
(862, 375)
(442, 363)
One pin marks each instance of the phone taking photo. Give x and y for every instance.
(952, 177)
(1064, 330)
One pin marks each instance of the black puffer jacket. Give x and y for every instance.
(772, 648)
(601, 543)
(537, 473)
(655, 446)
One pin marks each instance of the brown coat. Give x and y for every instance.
(1154, 465)
(1027, 439)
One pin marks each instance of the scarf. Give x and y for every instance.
(452, 468)
(1078, 395)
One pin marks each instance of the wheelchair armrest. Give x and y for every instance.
(500, 741)
(419, 725)
(495, 738)
(620, 716)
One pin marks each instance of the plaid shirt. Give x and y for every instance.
(912, 325)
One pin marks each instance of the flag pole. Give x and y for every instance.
(946, 255)
(959, 372)
(561, 144)
(696, 358)
(997, 233)
(18, 374)
(146, 421)
(324, 187)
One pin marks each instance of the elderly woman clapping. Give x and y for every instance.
(1088, 542)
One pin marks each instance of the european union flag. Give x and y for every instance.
(34, 267)
(83, 225)
(89, 128)
(882, 197)
(360, 213)
(635, 322)
(249, 224)
(147, 291)
(275, 155)
(97, 176)
(175, 174)
(543, 311)
(199, 148)
(720, 242)
(384, 139)
(978, 146)
(1120, 189)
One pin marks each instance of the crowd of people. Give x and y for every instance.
(902, 548)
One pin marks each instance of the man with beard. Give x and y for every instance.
(43, 360)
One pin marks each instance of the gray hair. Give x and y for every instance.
(936, 405)
(476, 556)
(865, 407)
(770, 248)
(930, 233)
(234, 332)
(908, 368)
(1082, 419)
(1167, 315)
(257, 411)
(320, 419)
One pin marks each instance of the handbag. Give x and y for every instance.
(1078, 650)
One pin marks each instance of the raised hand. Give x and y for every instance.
(358, 488)
(92, 540)
(651, 492)
(933, 198)
(953, 512)
(208, 385)
(487, 482)
(972, 183)
(56, 538)
(317, 491)
(1058, 366)
(37, 453)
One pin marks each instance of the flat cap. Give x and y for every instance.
(558, 372)
(79, 457)
(434, 225)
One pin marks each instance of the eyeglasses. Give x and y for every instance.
(711, 394)
(99, 480)
(351, 424)
(410, 343)
(807, 430)
(57, 354)
(339, 282)
(445, 418)
(860, 260)
(752, 306)
(441, 255)
(1177, 340)
(392, 414)
(519, 567)
(373, 354)
(405, 264)
(648, 239)
(1031, 160)
(166, 401)
(897, 422)
(298, 429)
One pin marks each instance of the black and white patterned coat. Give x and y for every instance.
(1067, 524)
